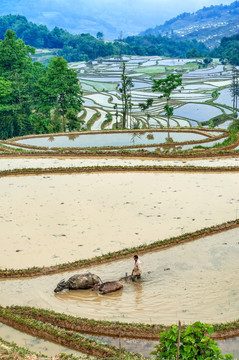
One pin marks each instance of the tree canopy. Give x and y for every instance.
(34, 99)
(84, 47)
(228, 50)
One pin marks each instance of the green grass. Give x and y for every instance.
(100, 86)
(165, 68)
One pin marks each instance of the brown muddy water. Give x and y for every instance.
(195, 281)
(34, 344)
(144, 347)
(47, 220)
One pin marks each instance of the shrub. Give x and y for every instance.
(193, 344)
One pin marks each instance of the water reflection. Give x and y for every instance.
(150, 137)
(51, 138)
(169, 145)
(112, 139)
(135, 136)
(72, 136)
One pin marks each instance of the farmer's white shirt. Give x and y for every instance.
(137, 268)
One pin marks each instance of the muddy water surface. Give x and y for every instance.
(34, 344)
(145, 347)
(47, 220)
(194, 281)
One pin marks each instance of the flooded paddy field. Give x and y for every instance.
(100, 83)
(197, 111)
(34, 344)
(55, 219)
(141, 346)
(47, 220)
(187, 282)
(174, 281)
(113, 139)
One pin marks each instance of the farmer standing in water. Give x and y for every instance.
(137, 270)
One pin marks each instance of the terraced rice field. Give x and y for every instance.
(146, 208)
(50, 219)
(100, 80)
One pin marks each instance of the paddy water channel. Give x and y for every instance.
(187, 282)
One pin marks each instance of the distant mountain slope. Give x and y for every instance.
(84, 47)
(208, 25)
(75, 17)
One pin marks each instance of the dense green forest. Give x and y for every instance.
(84, 47)
(35, 99)
(228, 50)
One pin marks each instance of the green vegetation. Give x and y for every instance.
(11, 351)
(86, 47)
(191, 344)
(103, 327)
(107, 121)
(166, 86)
(67, 338)
(99, 86)
(144, 107)
(92, 120)
(228, 51)
(125, 90)
(149, 45)
(35, 99)
(112, 328)
(154, 70)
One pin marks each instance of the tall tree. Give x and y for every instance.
(59, 90)
(17, 68)
(125, 90)
(166, 86)
(145, 107)
(100, 35)
(235, 88)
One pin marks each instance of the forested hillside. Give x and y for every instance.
(86, 47)
(35, 99)
(228, 50)
(208, 25)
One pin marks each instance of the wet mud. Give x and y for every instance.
(174, 282)
(48, 220)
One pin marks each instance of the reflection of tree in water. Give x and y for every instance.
(135, 135)
(51, 138)
(150, 137)
(72, 137)
(169, 145)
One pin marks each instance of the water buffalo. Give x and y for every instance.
(108, 286)
(78, 281)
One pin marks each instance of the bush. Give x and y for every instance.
(193, 345)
